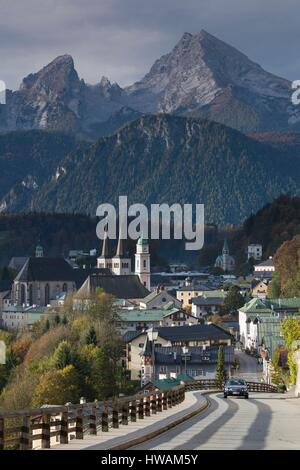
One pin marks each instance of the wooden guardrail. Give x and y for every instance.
(261, 387)
(213, 384)
(47, 426)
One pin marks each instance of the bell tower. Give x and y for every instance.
(142, 262)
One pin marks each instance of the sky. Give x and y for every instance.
(121, 39)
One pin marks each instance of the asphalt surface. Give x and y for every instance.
(249, 368)
(265, 421)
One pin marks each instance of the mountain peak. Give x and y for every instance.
(64, 59)
(105, 82)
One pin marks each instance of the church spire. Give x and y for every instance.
(104, 253)
(120, 247)
(225, 247)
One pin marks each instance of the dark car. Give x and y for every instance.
(236, 387)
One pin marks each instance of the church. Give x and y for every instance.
(120, 263)
(225, 261)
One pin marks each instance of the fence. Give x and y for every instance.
(47, 426)
(213, 384)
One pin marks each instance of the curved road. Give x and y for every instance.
(265, 421)
(249, 368)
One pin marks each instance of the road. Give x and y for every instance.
(265, 421)
(249, 368)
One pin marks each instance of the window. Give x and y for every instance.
(30, 294)
(23, 295)
(145, 263)
(47, 294)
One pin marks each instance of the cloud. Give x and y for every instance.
(122, 38)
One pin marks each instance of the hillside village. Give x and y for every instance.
(171, 324)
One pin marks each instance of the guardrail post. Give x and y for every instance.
(133, 411)
(159, 402)
(92, 422)
(115, 415)
(141, 408)
(173, 397)
(64, 428)
(153, 404)
(147, 406)
(164, 401)
(104, 418)
(46, 418)
(79, 424)
(125, 413)
(1, 433)
(25, 442)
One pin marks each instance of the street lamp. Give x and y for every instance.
(152, 336)
(185, 351)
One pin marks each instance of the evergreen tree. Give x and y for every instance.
(91, 337)
(63, 355)
(220, 371)
(46, 326)
(233, 301)
(56, 319)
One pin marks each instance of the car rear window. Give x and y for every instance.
(236, 382)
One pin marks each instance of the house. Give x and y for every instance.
(178, 317)
(202, 306)
(197, 362)
(21, 317)
(260, 321)
(195, 336)
(159, 299)
(143, 319)
(255, 251)
(122, 287)
(260, 289)
(264, 269)
(186, 293)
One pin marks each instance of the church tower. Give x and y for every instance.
(225, 261)
(121, 263)
(104, 260)
(142, 262)
(39, 252)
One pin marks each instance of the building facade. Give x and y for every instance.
(42, 280)
(255, 252)
(196, 336)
